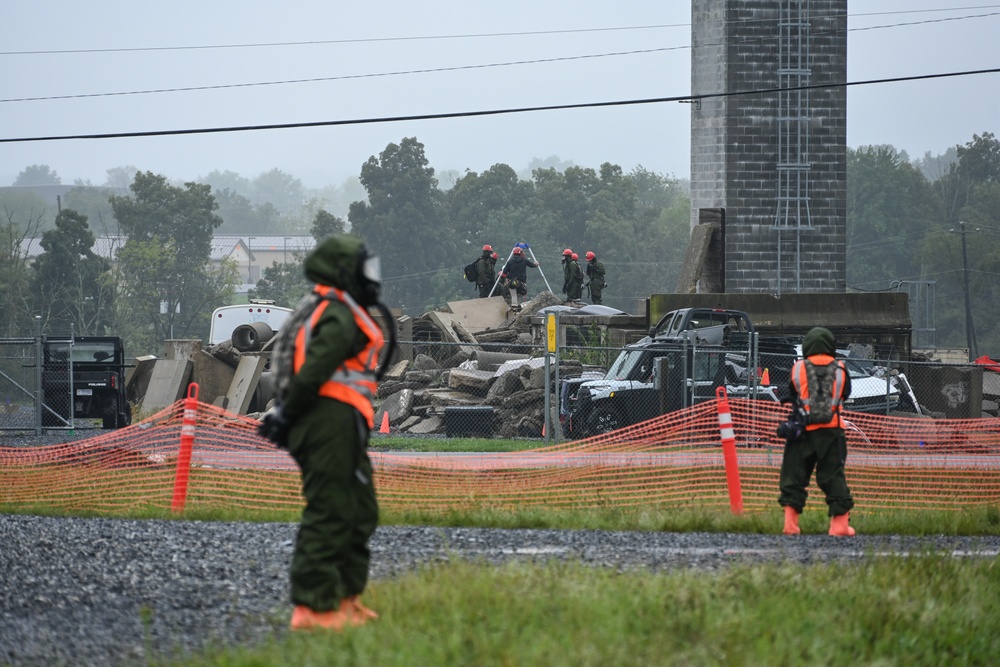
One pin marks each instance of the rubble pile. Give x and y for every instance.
(463, 382)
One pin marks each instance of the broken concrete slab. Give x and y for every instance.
(137, 379)
(487, 360)
(480, 314)
(422, 362)
(442, 322)
(168, 383)
(410, 422)
(502, 387)
(399, 406)
(244, 383)
(181, 348)
(397, 371)
(445, 397)
(514, 364)
(213, 376)
(523, 398)
(475, 382)
(429, 425)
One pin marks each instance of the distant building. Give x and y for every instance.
(252, 254)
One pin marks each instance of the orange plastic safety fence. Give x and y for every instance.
(673, 461)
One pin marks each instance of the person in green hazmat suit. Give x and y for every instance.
(819, 385)
(325, 364)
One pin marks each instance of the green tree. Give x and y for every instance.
(16, 303)
(119, 178)
(485, 207)
(283, 282)
(228, 180)
(326, 225)
(37, 174)
(282, 190)
(890, 209)
(93, 203)
(68, 279)
(405, 222)
(971, 195)
(165, 264)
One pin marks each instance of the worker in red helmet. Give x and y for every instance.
(572, 276)
(515, 271)
(595, 277)
(484, 271)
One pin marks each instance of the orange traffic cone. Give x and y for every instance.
(765, 379)
(385, 423)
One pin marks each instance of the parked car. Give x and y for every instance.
(96, 387)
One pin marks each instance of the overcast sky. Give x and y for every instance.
(111, 67)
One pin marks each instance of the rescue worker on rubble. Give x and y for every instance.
(820, 383)
(484, 271)
(516, 271)
(595, 277)
(325, 374)
(572, 276)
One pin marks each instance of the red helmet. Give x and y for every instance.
(590, 255)
(518, 251)
(494, 255)
(567, 252)
(487, 248)
(575, 256)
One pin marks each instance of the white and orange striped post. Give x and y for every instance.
(183, 473)
(729, 451)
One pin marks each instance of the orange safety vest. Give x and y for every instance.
(802, 388)
(353, 382)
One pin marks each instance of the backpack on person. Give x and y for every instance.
(470, 272)
(821, 380)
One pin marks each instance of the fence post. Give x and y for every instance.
(729, 451)
(39, 359)
(183, 471)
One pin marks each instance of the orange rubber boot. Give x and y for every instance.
(839, 525)
(360, 609)
(791, 521)
(304, 618)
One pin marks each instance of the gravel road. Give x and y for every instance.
(115, 591)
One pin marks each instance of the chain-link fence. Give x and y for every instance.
(19, 383)
(502, 390)
(62, 382)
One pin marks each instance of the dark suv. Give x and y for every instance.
(98, 381)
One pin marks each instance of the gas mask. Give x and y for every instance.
(370, 281)
(369, 277)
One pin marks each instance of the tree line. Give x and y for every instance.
(900, 219)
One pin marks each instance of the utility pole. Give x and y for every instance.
(970, 330)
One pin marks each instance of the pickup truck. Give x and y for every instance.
(713, 326)
(687, 355)
(96, 388)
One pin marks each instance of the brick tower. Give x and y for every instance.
(768, 169)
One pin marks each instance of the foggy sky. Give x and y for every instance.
(129, 47)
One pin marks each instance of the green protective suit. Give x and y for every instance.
(595, 274)
(329, 440)
(823, 449)
(574, 285)
(484, 275)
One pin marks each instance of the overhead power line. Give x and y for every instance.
(491, 112)
(435, 70)
(481, 35)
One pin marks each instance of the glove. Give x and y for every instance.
(275, 427)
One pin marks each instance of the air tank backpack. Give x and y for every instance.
(821, 380)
